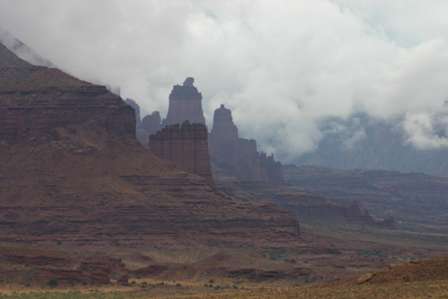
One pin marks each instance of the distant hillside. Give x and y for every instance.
(362, 142)
(413, 199)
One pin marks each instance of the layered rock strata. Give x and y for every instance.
(186, 146)
(73, 172)
(182, 137)
(36, 100)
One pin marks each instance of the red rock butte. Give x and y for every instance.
(186, 146)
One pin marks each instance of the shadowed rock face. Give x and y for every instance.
(147, 126)
(152, 123)
(223, 126)
(185, 105)
(72, 171)
(239, 157)
(136, 108)
(186, 146)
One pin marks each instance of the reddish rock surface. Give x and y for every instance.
(184, 138)
(36, 100)
(73, 172)
(185, 105)
(239, 157)
(186, 146)
(32, 266)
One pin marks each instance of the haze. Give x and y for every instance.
(282, 66)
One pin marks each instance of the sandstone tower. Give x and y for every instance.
(239, 157)
(185, 105)
(183, 138)
(223, 126)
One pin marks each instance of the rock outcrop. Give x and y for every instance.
(138, 118)
(36, 100)
(52, 268)
(152, 123)
(146, 126)
(185, 105)
(73, 172)
(184, 137)
(238, 157)
(186, 145)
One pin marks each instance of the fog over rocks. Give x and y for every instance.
(281, 67)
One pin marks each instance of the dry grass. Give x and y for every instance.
(423, 290)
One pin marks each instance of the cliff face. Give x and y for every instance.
(186, 146)
(239, 157)
(185, 105)
(72, 171)
(36, 100)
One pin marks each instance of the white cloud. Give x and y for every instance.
(281, 65)
(426, 132)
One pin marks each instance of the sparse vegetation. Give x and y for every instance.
(423, 290)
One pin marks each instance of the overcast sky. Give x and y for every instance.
(281, 65)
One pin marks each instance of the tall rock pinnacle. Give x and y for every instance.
(239, 157)
(185, 104)
(183, 137)
(223, 125)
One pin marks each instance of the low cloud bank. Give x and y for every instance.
(281, 66)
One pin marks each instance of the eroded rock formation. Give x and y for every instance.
(184, 138)
(73, 172)
(185, 105)
(152, 123)
(186, 146)
(36, 100)
(238, 157)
